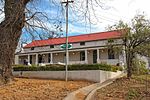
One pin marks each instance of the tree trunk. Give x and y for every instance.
(129, 73)
(10, 32)
(129, 63)
(8, 44)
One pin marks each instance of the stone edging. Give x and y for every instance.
(88, 92)
(91, 95)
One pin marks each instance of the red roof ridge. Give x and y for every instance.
(78, 35)
(81, 37)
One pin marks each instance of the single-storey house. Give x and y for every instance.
(85, 49)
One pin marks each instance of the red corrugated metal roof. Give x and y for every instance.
(73, 39)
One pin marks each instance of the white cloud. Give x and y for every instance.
(120, 10)
(2, 16)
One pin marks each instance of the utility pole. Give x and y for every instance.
(67, 53)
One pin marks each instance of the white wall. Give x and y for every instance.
(103, 54)
(90, 57)
(74, 45)
(74, 56)
(89, 75)
(58, 57)
(20, 59)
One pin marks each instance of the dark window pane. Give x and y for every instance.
(82, 56)
(82, 43)
(49, 58)
(51, 46)
(32, 48)
(30, 59)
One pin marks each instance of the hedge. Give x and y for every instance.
(55, 67)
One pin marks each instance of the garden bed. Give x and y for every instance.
(36, 89)
(137, 88)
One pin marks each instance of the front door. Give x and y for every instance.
(94, 56)
(30, 59)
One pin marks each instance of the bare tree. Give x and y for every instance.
(19, 14)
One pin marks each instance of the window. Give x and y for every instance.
(49, 58)
(32, 48)
(51, 46)
(111, 54)
(94, 56)
(82, 56)
(82, 43)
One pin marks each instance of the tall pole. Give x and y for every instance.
(67, 53)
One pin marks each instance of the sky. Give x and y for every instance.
(111, 12)
(122, 10)
(115, 10)
(119, 10)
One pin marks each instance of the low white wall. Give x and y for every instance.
(89, 75)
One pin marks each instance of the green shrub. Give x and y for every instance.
(114, 68)
(19, 65)
(40, 68)
(120, 68)
(56, 67)
(83, 67)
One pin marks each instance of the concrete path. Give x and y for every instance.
(87, 93)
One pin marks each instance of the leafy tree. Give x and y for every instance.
(136, 39)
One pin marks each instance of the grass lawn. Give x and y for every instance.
(125, 89)
(37, 89)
